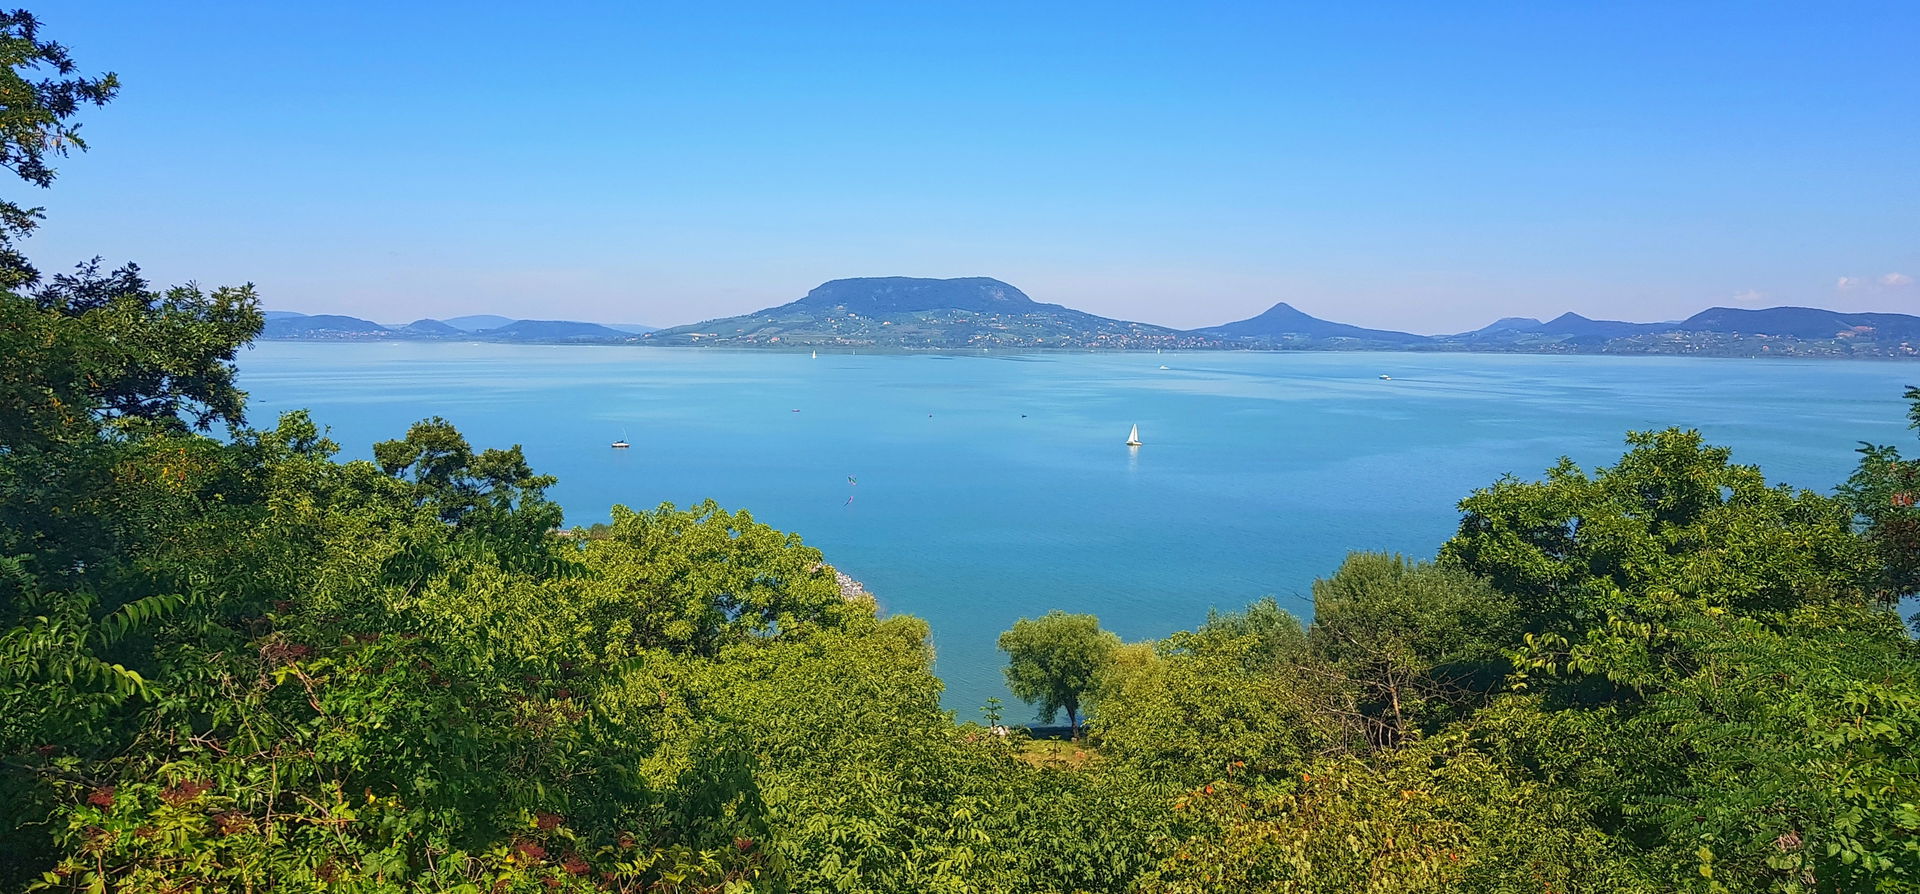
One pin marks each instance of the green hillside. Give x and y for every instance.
(908, 313)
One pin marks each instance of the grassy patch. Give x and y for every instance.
(1057, 754)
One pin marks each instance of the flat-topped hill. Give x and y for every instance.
(906, 312)
(878, 295)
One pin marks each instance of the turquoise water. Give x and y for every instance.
(995, 487)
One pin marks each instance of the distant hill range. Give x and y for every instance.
(903, 312)
(908, 313)
(1718, 331)
(287, 325)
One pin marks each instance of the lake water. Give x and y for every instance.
(993, 487)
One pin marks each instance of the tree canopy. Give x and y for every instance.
(1884, 493)
(40, 92)
(1052, 661)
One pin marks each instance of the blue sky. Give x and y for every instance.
(1421, 166)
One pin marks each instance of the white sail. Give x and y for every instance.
(1133, 437)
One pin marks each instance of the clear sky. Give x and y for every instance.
(1426, 166)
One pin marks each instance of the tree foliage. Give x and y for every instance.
(1409, 646)
(1053, 662)
(40, 92)
(1664, 675)
(1884, 493)
(125, 355)
(1675, 519)
(1238, 691)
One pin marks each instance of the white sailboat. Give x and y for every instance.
(622, 443)
(816, 355)
(1133, 437)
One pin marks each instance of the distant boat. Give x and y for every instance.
(1385, 378)
(1133, 437)
(1163, 366)
(816, 355)
(622, 443)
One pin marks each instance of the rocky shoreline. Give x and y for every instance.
(850, 589)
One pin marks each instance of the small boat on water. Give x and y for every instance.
(816, 355)
(621, 445)
(1163, 366)
(1133, 437)
(1385, 378)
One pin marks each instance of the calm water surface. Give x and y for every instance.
(996, 487)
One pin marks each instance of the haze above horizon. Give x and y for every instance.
(1407, 167)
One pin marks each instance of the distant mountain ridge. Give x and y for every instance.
(1805, 322)
(1721, 331)
(1717, 331)
(292, 326)
(543, 330)
(288, 325)
(914, 313)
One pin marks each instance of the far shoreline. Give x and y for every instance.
(1006, 351)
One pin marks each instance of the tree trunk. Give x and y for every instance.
(1399, 721)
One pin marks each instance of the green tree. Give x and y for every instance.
(1054, 660)
(102, 378)
(1774, 755)
(1435, 815)
(491, 498)
(700, 579)
(1409, 645)
(40, 91)
(1235, 692)
(1884, 492)
(91, 348)
(1709, 666)
(1674, 519)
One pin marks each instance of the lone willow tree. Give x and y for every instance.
(1052, 661)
